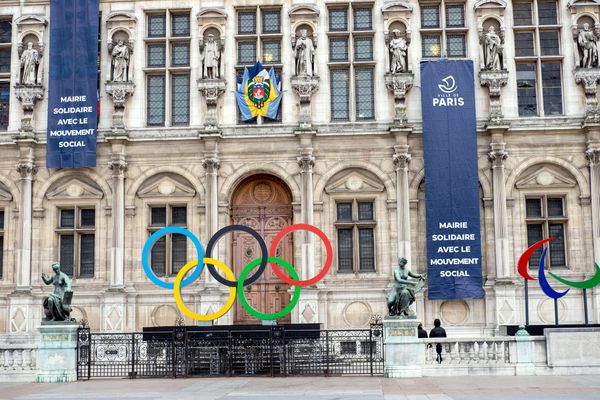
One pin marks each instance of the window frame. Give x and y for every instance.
(546, 220)
(77, 230)
(169, 69)
(443, 30)
(150, 229)
(5, 76)
(538, 59)
(356, 224)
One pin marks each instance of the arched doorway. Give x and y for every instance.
(264, 203)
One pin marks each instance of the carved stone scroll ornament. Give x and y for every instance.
(589, 78)
(399, 84)
(494, 80)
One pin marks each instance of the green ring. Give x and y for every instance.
(248, 307)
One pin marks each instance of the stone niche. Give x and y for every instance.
(121, 25)
(32, 29)
(397, 15)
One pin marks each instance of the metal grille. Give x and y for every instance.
(156, 100)
(270, 21)
(344, 211)
(557, 247)
(456, 45)
(156, 55)
(87, 255)
(365, 107)
(430, 17)
(247, 22)
(158, 256)
(272, 51)
(345, 253)
(362, 19)
(555, 207)
(455, 15)
(179, 215)
(67, 245)
(67, 218)
(431, 45)
(246, 52)
(534, 234)
(157, 26)
(339, 94)
(338, 49)
(365, 211)
(178, 252)
(338, 19)
(534, 208)
(363, 48)
(180, 99)
(88, 218)
(366, 249)
(180, 55)
(180, 25)
(158, 216)
(266, 352)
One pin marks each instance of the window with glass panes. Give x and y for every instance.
(351, 63)
(546, 217)
(258, 38)
(168, 69)
(443, 31)
(5, 52)
(169, 253)
(538, 57)
(76, 241)
(355, 226)
(1, 243)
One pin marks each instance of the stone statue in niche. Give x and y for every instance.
(57, 305)
(30, 61)
(398, 52)
(588, 50)
(404, 290)
(305, 53)
(120, 55)
(492, 50)
(210, 56)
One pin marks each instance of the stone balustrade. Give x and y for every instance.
(471, 352)
(18, 358)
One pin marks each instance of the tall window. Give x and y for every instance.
(5, 49)
(443, 31)
(169, 253)
(168, 69)
(258, 38)
(538, 57)
(351, 63)
(1, 243)
(545, 217)
(76, 236)
(355, 227)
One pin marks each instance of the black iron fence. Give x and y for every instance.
(270, 351)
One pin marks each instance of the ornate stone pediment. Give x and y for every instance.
(484, 4)
(546, 176)
(75, 188)
(166, 186)
(304, 11)
(396, 6)
(582, 3)
(31, 19)
(353, 182)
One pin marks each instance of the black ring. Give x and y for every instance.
(261, 243)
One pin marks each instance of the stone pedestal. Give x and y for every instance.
(525, 355)
(399, 84)
(589, 79)
(404, 351)
(119, 92)
(28, 95)
(211, 89)
(57, 354)
(494, 80)
(305, 86)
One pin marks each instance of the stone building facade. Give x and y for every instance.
(344, 154)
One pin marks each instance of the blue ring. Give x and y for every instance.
(157, 235)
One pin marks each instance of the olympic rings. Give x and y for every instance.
(326, 266)
(249, 308)
(181, 304)
(261, 243)
(148, 246)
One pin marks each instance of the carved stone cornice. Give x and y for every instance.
(306, 162)
(399, 84)
(593, 156)
(589, 78)
(211, 89)
(211, 165)
(305, 86)
(119, 92)
(494, 80)
(28, 95)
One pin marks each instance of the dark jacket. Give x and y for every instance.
(438, 332)
(422, 333)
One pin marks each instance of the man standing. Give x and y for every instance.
(29, 63)
(210, 57)
(438, 331)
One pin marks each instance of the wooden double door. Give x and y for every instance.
(264, 203)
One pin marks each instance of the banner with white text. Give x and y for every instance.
(451, 181)
(73, 84)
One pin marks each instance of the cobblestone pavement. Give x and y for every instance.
(316, 388)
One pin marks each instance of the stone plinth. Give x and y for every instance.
(404, 351)
(119, 92)
(57, 353)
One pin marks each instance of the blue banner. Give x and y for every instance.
(451, 181)
(73, 84)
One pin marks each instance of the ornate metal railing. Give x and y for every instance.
(472, 352)
(270, 351)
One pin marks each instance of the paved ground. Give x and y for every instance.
(316, 388)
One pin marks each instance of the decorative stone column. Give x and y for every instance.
(119, 92)
(399, 84)
(118, 165)
(494, 80)
(306, 162)
(211, 89)
(593, 156)
(589, 79)
(28, 96)
(497, 156)
(401, 161)
(305, 86)
(27, 169)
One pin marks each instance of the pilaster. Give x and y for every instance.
(118, 166)
(27, 169)
(497, 157)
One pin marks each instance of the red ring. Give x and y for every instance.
(323, 238)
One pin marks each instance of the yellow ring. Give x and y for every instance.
(177, 290)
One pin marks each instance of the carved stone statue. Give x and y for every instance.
(305, 53)
(398, 51)
(57, 306)
(492, 50)
(120, 55)
(588, 50)
(210, 56)
(403, 293)
(29, 65)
